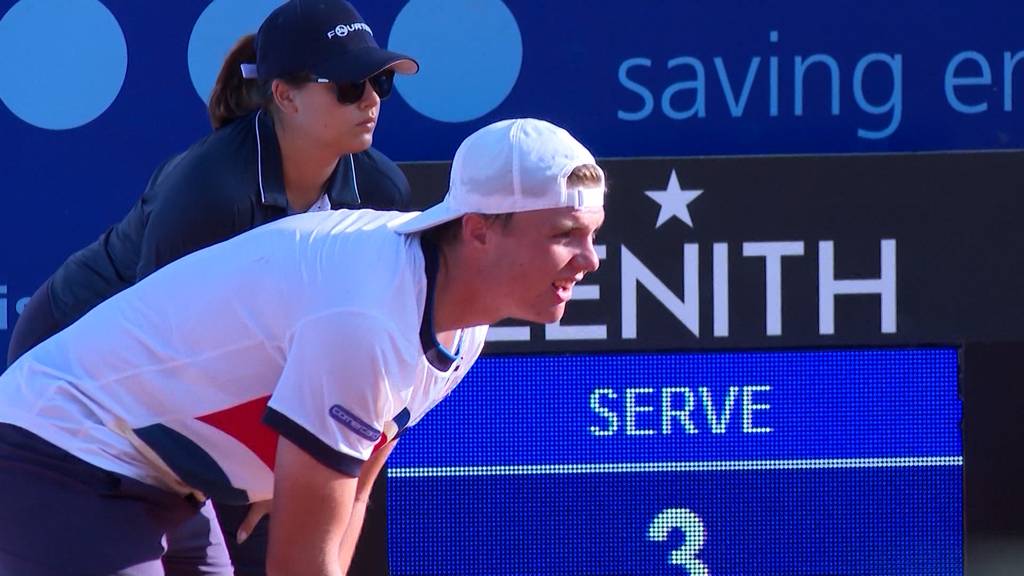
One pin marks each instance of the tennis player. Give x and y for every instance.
(283, 362)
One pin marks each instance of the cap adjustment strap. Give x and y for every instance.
(249, 71)
(587, 197)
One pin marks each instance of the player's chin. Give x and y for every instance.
(550, 315)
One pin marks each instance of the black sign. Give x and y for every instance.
(794, 251)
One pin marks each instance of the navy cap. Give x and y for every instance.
(326, 38)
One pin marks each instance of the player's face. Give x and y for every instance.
(543, 254)
(340, 128)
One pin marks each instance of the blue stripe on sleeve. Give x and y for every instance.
(312, 445)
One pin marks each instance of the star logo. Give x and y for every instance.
(674, 201)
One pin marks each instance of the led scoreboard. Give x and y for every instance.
(840, 462)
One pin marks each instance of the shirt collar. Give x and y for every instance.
(341, 186)
(438, 357)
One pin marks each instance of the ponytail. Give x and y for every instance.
(234, 96)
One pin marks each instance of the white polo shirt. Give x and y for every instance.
(316, 327)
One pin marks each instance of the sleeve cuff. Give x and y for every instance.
(312, 445)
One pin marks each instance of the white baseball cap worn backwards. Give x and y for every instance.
(511, 166)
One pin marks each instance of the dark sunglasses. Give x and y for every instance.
(352, 92)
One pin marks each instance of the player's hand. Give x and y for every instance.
(257, 510)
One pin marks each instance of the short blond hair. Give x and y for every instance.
(585, 176)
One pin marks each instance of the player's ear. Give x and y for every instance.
(475, 228)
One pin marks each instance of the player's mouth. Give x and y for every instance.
(563, 289)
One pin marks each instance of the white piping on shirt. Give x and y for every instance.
(259, 157)
(355, 183)
(259, 165)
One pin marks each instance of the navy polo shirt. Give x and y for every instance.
(227, 183)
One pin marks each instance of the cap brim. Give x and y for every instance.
(434, 216)
(361, 63)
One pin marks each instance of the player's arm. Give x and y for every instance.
(313, 507)
(364, 486)
(329, 407)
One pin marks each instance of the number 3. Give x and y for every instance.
(693, 529)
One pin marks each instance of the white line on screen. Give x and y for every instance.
(656, 467)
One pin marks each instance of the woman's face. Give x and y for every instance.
(331, 125)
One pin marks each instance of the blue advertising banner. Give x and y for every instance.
(639, 79)
(754, 463)
(729, 77)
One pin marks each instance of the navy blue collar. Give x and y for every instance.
(340, 187)
(439, 357)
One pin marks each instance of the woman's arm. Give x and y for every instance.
(184, 216)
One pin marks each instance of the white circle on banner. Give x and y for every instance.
(470, 54)
(64, 61)
(216, 31)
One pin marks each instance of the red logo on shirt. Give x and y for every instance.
(245, 424)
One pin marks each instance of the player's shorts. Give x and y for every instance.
(60, 515)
